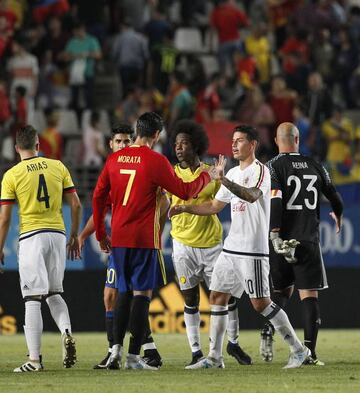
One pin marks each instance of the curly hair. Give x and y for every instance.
(198, 137)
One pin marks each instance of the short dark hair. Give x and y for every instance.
(250, 131)
(148, 123)
(94, 117)
(198, 137)
(122, 129)
(21, 90)
(26, 138)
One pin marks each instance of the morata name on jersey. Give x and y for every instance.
(129, 159)
(300, 165)
(37, 166)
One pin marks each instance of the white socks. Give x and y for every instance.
(218, 324)
(33, 328)
(233, 324)
(192, 323)
(59, 311)
(281, 323)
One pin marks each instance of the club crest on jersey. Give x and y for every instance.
(239, 207)
(246, 181)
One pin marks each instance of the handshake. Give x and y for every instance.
(286, 248)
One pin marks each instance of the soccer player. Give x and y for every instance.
(297, 183)
(38, 185)
(121, 136)
(243, 264)
(135, 176)
(197, 240)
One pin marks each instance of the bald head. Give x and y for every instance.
(287, 138)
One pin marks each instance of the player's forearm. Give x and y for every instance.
(89, 228)
(275, 214)
(247, 194)
(205, 209)
(336, 203)
(75, 217)
(4, 229)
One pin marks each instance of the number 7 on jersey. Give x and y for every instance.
(132, 173)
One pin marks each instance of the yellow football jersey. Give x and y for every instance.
(37, 184)
(192, 230)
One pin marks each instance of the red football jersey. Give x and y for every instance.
(135, 176)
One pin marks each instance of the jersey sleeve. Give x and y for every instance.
(8, 195)
(329, 190)
(165, 177)
(68, 185)
(274, 176)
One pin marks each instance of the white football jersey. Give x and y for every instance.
(249, 230)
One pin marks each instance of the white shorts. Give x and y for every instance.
(42, 259)
(234, 275)
(193, 264)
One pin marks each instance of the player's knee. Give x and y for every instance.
(219, 298)
(33, 298)
(259, 305)
(191, 299)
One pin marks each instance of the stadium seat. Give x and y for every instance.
(68, 123)
(39, 121)
(188, 39)
(210, 64)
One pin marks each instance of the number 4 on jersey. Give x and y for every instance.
(42, 193)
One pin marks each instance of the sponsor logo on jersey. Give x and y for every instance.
(167, 311)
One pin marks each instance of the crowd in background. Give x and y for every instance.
(259, 62)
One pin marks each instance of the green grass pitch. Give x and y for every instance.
(340, 349)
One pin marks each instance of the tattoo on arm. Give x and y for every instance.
(247, 194)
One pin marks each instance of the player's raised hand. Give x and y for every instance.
(105, 245)
(338, 221)
(175, 210)
(73, 248)
(216, 171)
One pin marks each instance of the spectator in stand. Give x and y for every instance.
(282, 100)
(9, 15)
(339, 134)
(322, 54)
(255, 111)
(130, 53)
(51, 141)
(346, 60)
(208, 101)
(246, 69)
(164, 60)
(82, 51)
(7, 26)
(303, 125)
(5, 115)
(317, 101)
(258, 45)
(295, 54)
(23, 68)
(55, 41)
(226, 19)
(179, 99)
(280, 12)
(43, 9)
(21, 108)
(94, 144)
